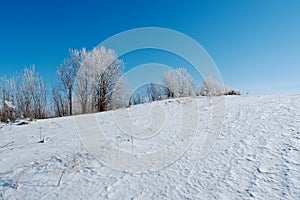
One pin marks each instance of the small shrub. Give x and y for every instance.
(232, 92)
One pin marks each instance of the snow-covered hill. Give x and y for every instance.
(256, 155)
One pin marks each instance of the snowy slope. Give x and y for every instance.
(256, 155)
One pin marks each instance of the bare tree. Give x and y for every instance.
(67, 74)
(155, 92)
(59, 103)
(136, 99)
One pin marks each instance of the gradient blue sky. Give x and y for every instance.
(255, 43)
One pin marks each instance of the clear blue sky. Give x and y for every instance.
(255, 43)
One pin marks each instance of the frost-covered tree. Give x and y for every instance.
(170, 81)
(212, 87)
(23, 96)
(66, 73)
(179, 83)
(83, 84)
(120, 95)
(39, 99)
(97, 79)
(30, 94)
(186, 83)
(107, 69)
(7, 107)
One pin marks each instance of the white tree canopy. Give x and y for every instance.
(212, 87)
(98, 81)
(179, 82)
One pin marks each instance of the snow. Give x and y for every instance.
(10, 104)
(20, 122)
(256, 155)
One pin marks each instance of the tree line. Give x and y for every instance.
(89, 82)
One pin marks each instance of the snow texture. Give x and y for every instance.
(256, 156)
